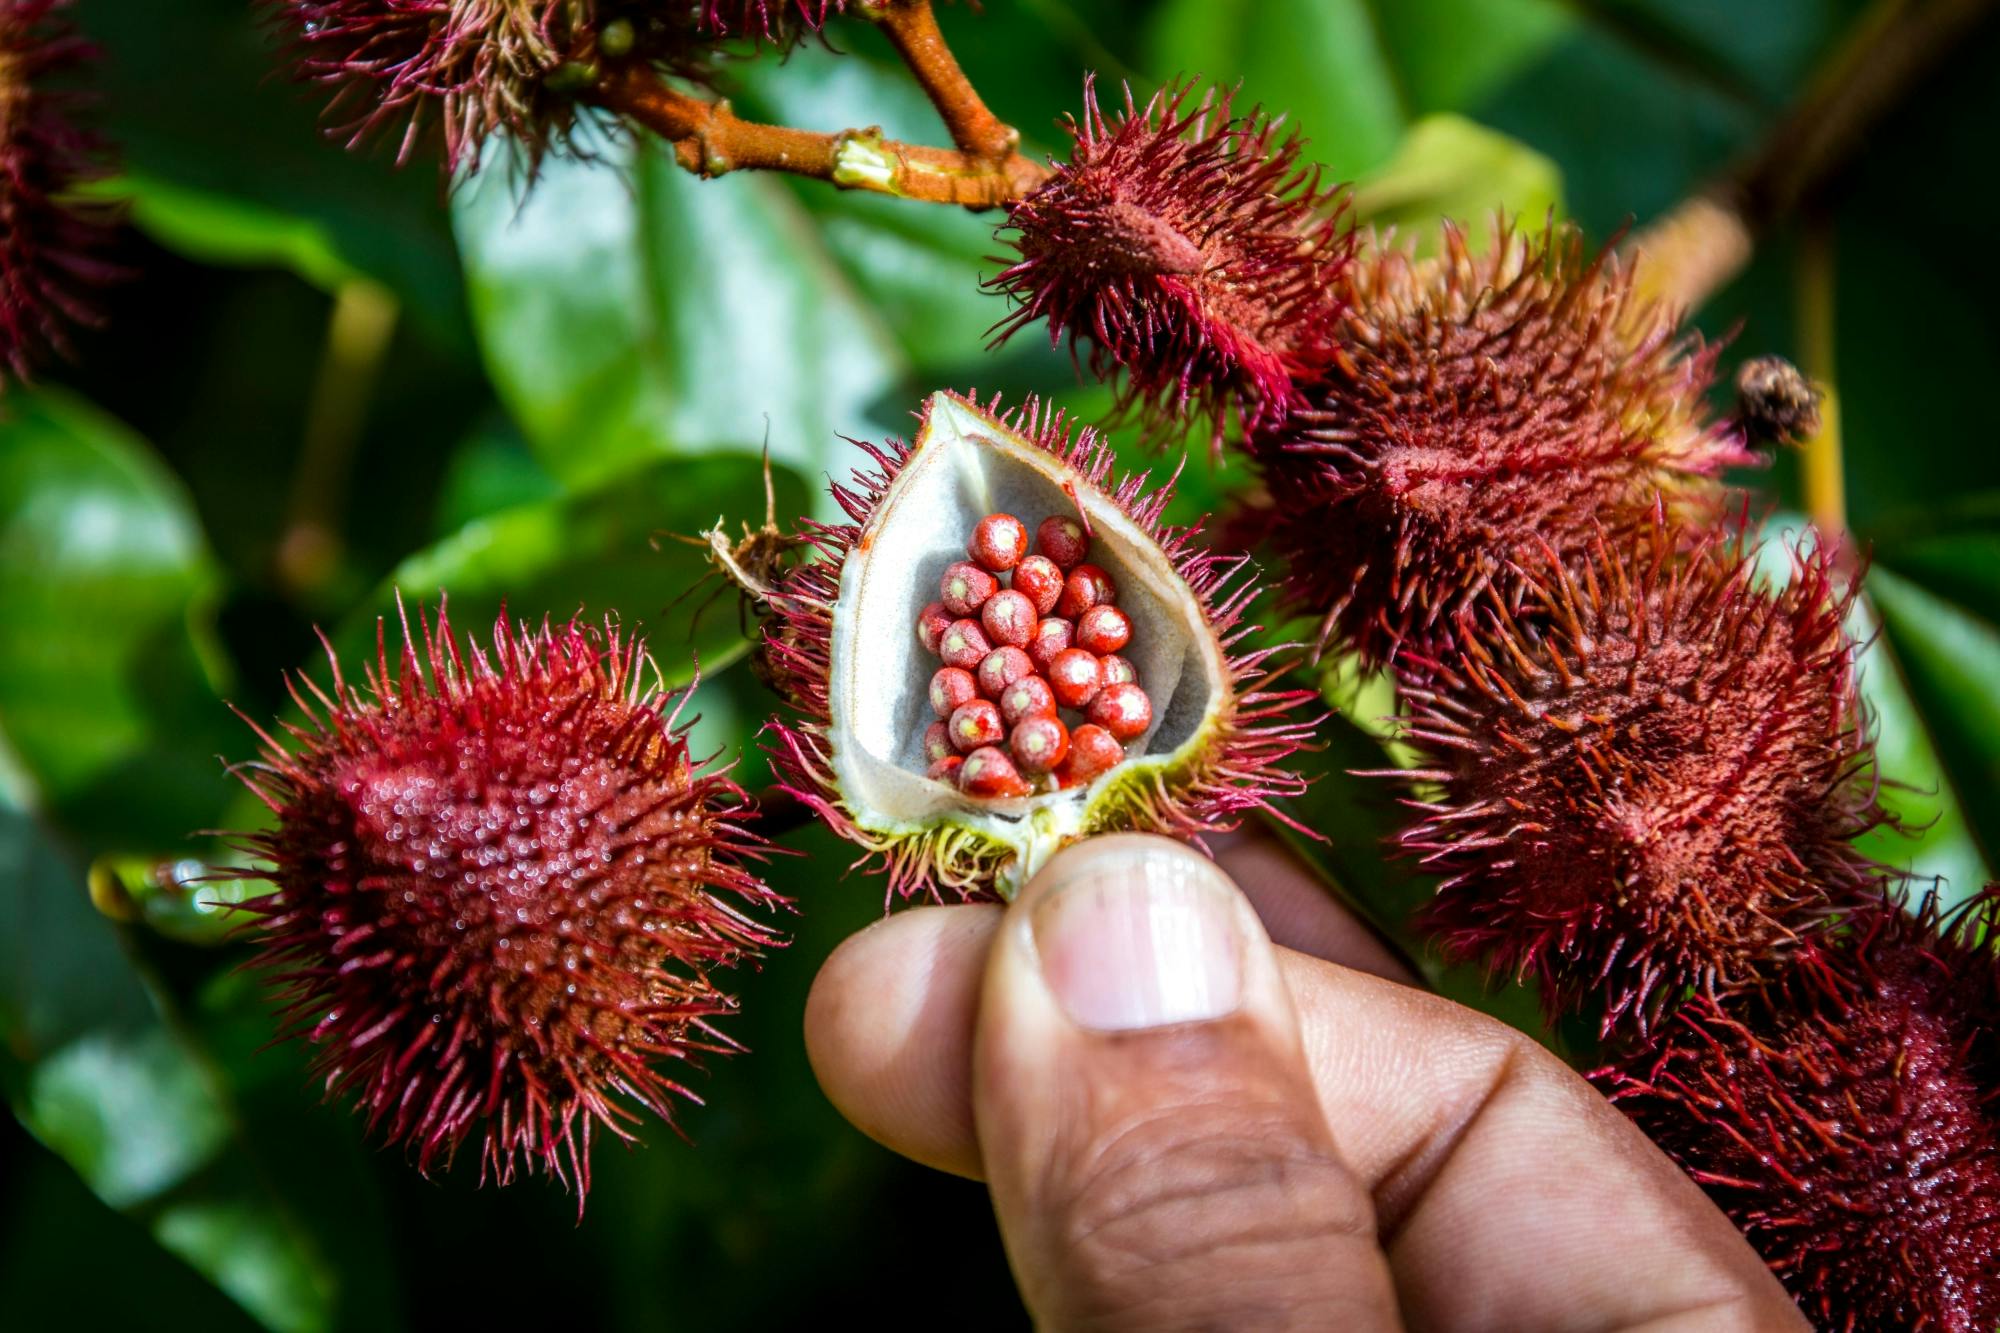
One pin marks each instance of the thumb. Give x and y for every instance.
(1156, 1150)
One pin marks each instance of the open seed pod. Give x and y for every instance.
(854, 635)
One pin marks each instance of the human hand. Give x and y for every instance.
(1187, 1125)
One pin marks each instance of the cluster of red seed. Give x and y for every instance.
(1017, 654)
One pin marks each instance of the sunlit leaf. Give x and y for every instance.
(1447, 54)
(110, 721)
(227, 230)
(609, 550)
(633, 312)
(128, 1110)
(136, 1111)
(1950, 656)
(194, 95)
(1448, 167)
(109, 674)
(1933, 842)
(1320, 63)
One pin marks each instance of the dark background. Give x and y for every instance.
(520, 397)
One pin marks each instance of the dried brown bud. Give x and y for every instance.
(1775, 402)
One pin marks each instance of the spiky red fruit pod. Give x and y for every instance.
(1847, 1117)
(1192, 251)
(1482, 406)
(50, 244)
(1648, 780)
(500, 886)
(843, 634)
(464, 71)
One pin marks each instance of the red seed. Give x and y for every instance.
(932, 622)
(945, 769)
(1103, 629)
(937, 742)
(950, 687)
(1029, 696)
(1009, 617)
(1062, 540)
(965, 588)
(1117, 671)
(1092, 750)
(1051, 637)
(1038, 744)
(998, 542)
(1122, 710)
(1040, 579)
(1075, 677)
(964, 644)
(1086, 586)
(975, 724)
(1001, 668)
(989, 772)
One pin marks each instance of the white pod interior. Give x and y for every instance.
(967, 464)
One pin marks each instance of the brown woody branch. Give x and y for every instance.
(912, 28)
(709, 139)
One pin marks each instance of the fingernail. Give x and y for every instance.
(1141, 940)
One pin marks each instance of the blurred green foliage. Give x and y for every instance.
(576, 374)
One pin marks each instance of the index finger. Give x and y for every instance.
(1509, 1193)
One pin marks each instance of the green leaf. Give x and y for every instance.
(490, 470)
(111, 724)
(606, 550)
(128, 1110)
(1950, 656)
(236, 1242)
(109, 672)
(1934, 842)
(918, 267)
(196, 96)
(214, 228)
(128, 1100)
(1449, 53)
(1318, 62)
(1448, 167)
(56, 1229)
(1762, 51)
(629, 315)
(1631, 133)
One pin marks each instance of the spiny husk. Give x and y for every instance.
(1191, 248)
(501, 888)
(1847, 1117)
(467, 71)
(1479, 408)
(1231, 761)
(1649, 778)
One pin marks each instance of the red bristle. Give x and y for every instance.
(501, 890)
